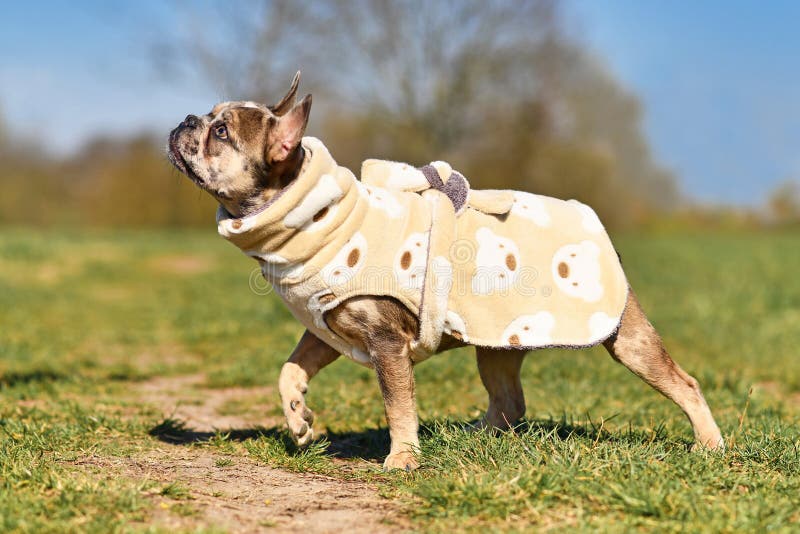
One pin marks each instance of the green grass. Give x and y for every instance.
(86, 316)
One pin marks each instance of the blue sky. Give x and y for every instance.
(719, 80)
(721, 84)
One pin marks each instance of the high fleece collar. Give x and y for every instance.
(265, 229)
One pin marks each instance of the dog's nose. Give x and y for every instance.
(191, 121)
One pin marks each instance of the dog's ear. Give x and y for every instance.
(287, 101)
(288, 131)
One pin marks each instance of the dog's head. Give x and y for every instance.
(242, 152)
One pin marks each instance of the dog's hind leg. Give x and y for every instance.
(499, 370)
(310, 355)
(638, 347)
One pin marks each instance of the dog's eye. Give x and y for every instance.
(221, 132)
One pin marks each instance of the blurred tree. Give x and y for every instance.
(500, 88)
(783, 204)
(116, 183)
(130, 182)
(3, 134)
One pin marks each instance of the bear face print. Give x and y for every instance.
(576, 270)
(347, 262)
(404, 177)
(589, 219)
(410, 262)
(531, 207)
(321, 219)
(317, 207)
(381, 199)
(530, 330)
(455, 326)
(497, 263)
(601, 325)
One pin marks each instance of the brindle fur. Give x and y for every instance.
(263, 155)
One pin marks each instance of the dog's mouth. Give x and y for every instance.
(177, 159)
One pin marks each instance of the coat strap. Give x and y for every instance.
(438, 275)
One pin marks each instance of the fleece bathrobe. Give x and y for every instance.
(500, 269)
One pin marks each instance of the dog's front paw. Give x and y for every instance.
(293, 384)
(401, 460)
(299, 419)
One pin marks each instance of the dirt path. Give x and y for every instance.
(208, 409)
(233, 492)
(246, 497)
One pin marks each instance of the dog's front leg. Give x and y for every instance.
(396, 378)
(383, 327)
(310, 355)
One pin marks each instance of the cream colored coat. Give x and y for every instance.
(508, 269)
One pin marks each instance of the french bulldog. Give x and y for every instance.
(245, 154)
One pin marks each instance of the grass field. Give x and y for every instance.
(121, 353)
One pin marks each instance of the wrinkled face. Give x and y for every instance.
(223, 151)
(240, 149)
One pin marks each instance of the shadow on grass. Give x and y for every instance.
(176, 432)
(373, 444)
(76, 374)
(31, 377)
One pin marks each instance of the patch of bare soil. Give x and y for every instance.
(246, 497)
(233, 492)
(209, 409)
